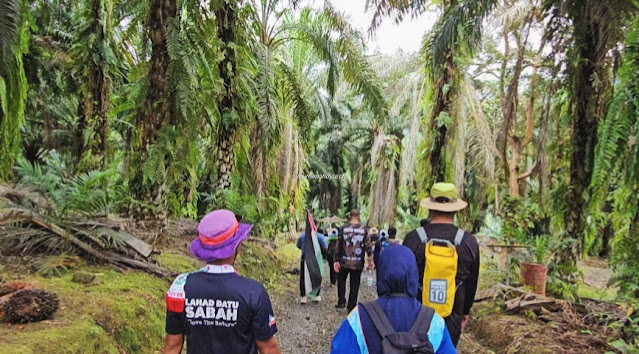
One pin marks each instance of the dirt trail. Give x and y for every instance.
(310, 328)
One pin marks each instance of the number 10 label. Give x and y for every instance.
(438, 288)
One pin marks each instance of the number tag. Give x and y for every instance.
(438, 291)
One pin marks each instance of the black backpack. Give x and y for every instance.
(415, 341)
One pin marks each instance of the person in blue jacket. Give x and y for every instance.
(398, 276)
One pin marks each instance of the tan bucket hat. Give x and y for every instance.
(444, 197)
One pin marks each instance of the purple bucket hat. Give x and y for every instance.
(219, 235)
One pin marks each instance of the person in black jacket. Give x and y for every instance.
(443, 204)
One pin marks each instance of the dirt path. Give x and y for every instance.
(596, 272)
(310, 328)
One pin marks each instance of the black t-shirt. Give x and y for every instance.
(353, 241)
(222, 312)
(467, 262)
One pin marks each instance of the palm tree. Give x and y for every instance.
(13, 86)
(291, 49)
(96, 60)
(597, 28)
(226, 15)
(457, 33)
(158, 108)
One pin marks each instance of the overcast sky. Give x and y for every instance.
(388, 37)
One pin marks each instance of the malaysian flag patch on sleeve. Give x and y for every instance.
(175, 296)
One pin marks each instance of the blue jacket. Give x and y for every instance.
(301, 242)
(397, 274)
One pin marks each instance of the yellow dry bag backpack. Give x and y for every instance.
(440, 272)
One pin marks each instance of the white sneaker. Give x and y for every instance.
(304, 300)
(317, 299)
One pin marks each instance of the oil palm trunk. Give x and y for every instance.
(158, 106)
(226, 16)
(14, 86)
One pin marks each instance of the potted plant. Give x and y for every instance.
(534, 273)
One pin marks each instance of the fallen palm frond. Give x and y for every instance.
(588, 313)
(29, 225)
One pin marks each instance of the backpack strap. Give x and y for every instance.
(423, 320)
(422, 234)
(379, 319)
(459, 237)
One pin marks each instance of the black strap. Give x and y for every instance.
(378, 317)
(422, 322)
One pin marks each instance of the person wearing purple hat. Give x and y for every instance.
(214, 308)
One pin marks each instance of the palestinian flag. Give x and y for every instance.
(313, 264)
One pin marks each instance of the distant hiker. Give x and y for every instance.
(384, 242)
(397, 319)
(447, 259)
(216, 309)
(353, 241)
(392, 233)
(306, 290)
(330, 254)
(383, 234)
(374, 234)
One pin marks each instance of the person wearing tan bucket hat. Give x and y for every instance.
(442, 204)
(444, 197)
(214, 308)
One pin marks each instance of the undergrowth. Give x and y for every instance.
(123, 314)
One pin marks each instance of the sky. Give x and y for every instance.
(389, 37)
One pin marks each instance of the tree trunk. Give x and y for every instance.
(97, 95)
(225, 156)
(158, 106)
(438, 163)
(226, 16)
(444, 91)
(509, 110)
(592, 44)
(159, 103)
(607, 235)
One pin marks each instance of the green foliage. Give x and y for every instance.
(541, 249)
(13, 83)
(520, 219)
(458, 31)
(87, 194)
(8, 25)
(562, 289)
(616, 171)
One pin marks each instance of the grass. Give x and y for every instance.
(606, 294)
(126, 312)
(177, 262)
(289, 253)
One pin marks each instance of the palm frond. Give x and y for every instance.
(396, 9)
(10, 10)
(459, 30)
(325, 48)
